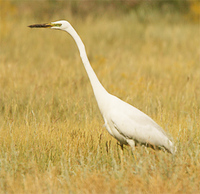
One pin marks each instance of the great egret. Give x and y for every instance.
(124, 122)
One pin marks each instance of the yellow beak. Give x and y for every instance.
(48, 25)
(41, 26)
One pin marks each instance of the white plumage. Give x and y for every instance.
(124, 122)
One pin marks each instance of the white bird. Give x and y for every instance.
(124, 122)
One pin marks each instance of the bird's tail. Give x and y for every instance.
(170, 147)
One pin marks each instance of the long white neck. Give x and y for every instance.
(99, 91)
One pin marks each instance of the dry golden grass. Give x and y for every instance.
(52, 138)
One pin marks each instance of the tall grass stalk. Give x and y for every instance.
(52, 137)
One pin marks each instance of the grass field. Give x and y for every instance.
(52, 138)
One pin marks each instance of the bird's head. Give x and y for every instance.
(58, 25)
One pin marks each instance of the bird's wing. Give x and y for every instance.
(134, 124)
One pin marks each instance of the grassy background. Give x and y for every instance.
(52, 138)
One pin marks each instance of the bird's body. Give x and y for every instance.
(124, 122)
(131, 126)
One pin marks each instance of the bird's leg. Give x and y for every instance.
(122, 147)
(121, 155)
(131, 142)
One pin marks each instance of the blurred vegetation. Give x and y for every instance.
(50, 10)
(47, 8)
(51, 134)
